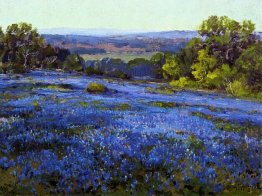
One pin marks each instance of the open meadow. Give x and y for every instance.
(57, 137)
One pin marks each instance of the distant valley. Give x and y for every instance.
(134, 44)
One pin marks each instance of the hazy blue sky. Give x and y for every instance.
(126, 14)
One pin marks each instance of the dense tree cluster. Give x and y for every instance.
(228, 57)
(22, 48)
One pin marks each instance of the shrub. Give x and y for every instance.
(3, 68)
(94, 87)
(238, 88)
(120, 74)
(183, 82)
(74, 62)
(138, 61)
(93, 71)
(14, 68)
(161, 90)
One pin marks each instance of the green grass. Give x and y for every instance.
(224, 125)
(160, 90)
(122, 107)
(127, 56)
(58, 87)
(83, 104)
(162, 104)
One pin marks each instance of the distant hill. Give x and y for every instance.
(117, 32)
(84, 31)
(166, 35)
(121, 42)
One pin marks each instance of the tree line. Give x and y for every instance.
(226, 56)
(22, 48)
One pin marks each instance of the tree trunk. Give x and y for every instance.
(25, 63)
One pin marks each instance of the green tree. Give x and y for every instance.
(48, 57)
(22, 42)
(222, 77)
(228, 57)
(179, 65)
(2, 48)
(172, 68)
(226, 38)
(158, 60)
(73, 62)
(204, 64)
(22, 48)
(138, 61)
(189, 54)
(250, 65)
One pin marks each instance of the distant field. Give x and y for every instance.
(124, 56)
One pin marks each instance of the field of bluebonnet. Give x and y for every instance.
(55, 138)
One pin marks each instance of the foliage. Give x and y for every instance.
(238, 88)
(122, 107)
(22, 48)
(120, 74)
(161, 90)
(179, 65)
(93, 71)
(59, 87)
(52, 57)
(94, 87)
(162, 104)
(158, 60)
(73, 62)
(20, 43)
(172, 68)
(203, 65)
(222, 77)
(250, 64)
(184, 82)
(138, 61)
(188, 55)
(227, 58)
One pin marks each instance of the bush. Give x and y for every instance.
(138, 61)
(184, 82)
(94, 87)
(3, 68)
(119, 74)
(93, 71)
(238, 88)
(16, 68)
(74, 62)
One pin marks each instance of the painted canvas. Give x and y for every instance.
(130, 97)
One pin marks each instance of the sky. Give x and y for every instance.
(144, 15)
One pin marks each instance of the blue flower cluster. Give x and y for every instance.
(75, 142)
(5, 163)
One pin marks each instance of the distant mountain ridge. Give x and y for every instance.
(115, 33)
(101, 32)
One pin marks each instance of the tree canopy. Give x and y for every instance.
(22, 47)
(228, 56)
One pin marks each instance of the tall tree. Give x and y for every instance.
(22, 43)
(226, 38)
